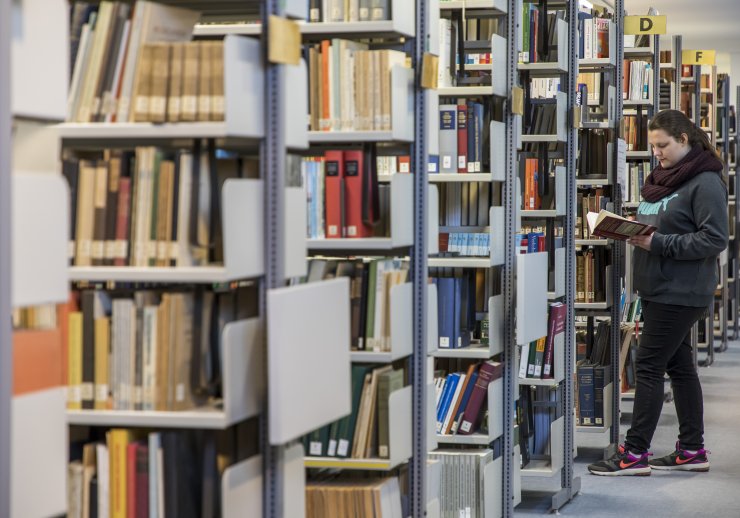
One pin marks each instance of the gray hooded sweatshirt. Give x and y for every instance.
(681, 266)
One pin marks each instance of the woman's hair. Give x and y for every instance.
(675, 123)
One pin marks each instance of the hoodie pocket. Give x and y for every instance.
(682, 276)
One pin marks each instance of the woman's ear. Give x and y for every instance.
(684, 139)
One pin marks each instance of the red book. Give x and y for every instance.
(488, 372)
(334, 194)
(354, 181)
(555, 326)
(131, 488)
(142, 480)
(122, 222)
(462, 138)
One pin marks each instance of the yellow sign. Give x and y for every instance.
(517, 101)
(698, 57)
(645, 24)
(284, 45)
(429, 71)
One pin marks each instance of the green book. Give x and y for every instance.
(346, 426)
(388, 382)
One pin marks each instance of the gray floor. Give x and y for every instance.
(670, 494)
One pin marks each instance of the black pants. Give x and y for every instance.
(665, 346)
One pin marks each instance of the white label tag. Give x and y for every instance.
(461, 162)
(138, 393)
(444, 341)
(142, 105)
(332, 449)
(446, 162)
(87, 391)
(314, 448)
(383, 451)
(98, 249)
(157, 105)
(343, 448)
(74, 395)
(180, 392)
(352, 231)
(465, 426)
(101, 392)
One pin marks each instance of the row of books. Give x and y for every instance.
(536, 411)
(35, 317)
(463, 137)
(594, 158)
(461, 397)
(148, 350)
(462, 481)
(352, 11)
(636, 173)
(468, 244)
(465, 204)
(588, 200)
(538, 34)
(593, 82)
(456, 304)
(117, 77)
(350, 86)
(637, 80)
(146, 207)
(536, 358)
(460, 44)
(344, 198)
(635, 132)
(540, 118)
(593, 35)
(591, 277)
(373, 498)
(371, 281)
(544, 87)
(132, 473)
(531, 242)
(363, 434)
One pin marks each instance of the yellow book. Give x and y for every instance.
(74, 365)
(118, 440)
(102, 359)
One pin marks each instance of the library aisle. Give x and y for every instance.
(669, 494)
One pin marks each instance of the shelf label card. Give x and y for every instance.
(645, 24)
(698, 57)
(284, 44)
(517, 100)
(429, 71)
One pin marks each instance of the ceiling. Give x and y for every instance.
(705, 24)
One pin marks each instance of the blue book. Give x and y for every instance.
(446, 311)
(452, 381)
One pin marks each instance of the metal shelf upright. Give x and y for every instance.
(6, 344)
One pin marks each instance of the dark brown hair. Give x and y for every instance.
(675, 123)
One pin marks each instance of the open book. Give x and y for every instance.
(609, 225)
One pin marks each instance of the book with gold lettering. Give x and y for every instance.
(609, 225)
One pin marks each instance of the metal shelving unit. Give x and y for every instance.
(6, 343)
(721, 127)
(562, 439)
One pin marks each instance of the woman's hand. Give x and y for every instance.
(641, 241)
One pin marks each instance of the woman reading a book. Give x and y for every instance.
(675, 274)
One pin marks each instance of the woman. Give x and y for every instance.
(675, 274)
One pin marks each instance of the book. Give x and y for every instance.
(609, 225)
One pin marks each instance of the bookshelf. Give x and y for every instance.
(33, 205)
(732, 148)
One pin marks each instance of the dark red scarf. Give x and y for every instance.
(662, 182)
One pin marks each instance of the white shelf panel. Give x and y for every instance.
(460, 177)
(592, 305)
(352, 137)
(640, 102)
(39, 36)
(543, 214)
(597, 182)
(595, 63)
(531, 308)
(592, 242)
(638, 51)
(481, 353)
(638, 154)
(312, 353)
(39, 239)
(205, 418)
(241, 488)
(498, 5)
(195, 274)
(38, 458)
(147, 131)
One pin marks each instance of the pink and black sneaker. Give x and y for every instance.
(623, 463)
(682, 460)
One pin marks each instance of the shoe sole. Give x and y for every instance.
(702, 467)
(634, 472)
